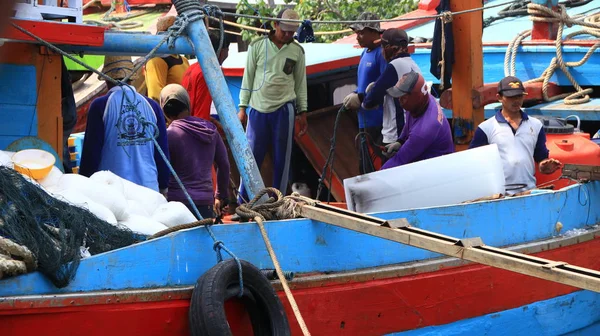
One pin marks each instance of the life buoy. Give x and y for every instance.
(220, 283)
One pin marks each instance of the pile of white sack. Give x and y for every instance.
(114, 199)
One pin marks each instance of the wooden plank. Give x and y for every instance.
(18, 120)
(486, 94)
(511, 261)
(20, 80)
(581, 172)
(49, 112)
(56, 32)
(17, 109)
(45, 89)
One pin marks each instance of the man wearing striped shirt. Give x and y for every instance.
(273, 89)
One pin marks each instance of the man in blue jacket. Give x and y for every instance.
(371, 66)
(119, 132)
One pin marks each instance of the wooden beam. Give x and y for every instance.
(56, 32)
(467, 71)
(581, 172)
(545, 30)
(486, 94)
(468, 249)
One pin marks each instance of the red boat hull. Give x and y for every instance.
(358, 307)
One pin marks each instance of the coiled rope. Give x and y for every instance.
(540, 13)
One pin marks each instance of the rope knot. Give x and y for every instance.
(446, 17)
(212, 10)
(218, 245)
(189, 11)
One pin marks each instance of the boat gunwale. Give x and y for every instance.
(304, 282)
(374, 214)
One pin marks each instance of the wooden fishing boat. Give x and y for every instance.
(347, 282)
(331, 73)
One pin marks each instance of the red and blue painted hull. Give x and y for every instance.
(370, 302)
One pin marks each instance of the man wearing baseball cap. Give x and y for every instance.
(521, 140)
(395, 51)
(273, 89)
(426, 133)
(371, 66)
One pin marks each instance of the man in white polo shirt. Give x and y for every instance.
(521, 140)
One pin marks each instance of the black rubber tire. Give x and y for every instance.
(207, 308)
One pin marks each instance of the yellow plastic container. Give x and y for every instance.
(35, 163)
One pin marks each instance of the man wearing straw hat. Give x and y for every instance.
(119, 132)
(273, 89)
(164, 69)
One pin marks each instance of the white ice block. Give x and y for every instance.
(445, 180)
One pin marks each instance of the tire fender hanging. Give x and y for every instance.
(220, 283)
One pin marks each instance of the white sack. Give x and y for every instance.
(143, 225)
(80, 200)
(97, 192)
(51, 180)
(172, 214)
(136, 208)
(110, 179)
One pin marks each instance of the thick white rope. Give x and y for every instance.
(540, 13)
(15, 259)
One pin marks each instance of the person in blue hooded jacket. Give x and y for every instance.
(372, 65)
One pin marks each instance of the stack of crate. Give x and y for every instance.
(75, 149)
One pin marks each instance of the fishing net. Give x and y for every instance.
(54, 231)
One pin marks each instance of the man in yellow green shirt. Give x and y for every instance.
(273, 90)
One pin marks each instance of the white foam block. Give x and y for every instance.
(445, 180)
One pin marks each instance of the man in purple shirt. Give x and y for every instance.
(426, 133)
(194, 144)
